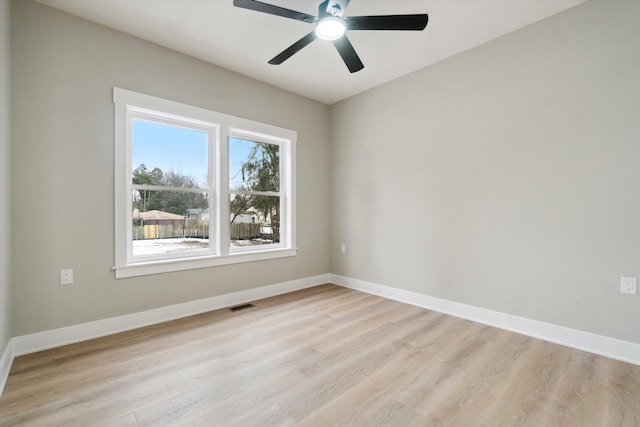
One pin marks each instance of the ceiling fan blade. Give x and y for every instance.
(274, 10)
(348, 54)
(388, 22)
(291, 50)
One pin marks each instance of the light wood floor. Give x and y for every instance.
(318, 357)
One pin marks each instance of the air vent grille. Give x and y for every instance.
(241, 307)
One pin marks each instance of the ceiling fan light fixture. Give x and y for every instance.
(330, 25)
(331, 28)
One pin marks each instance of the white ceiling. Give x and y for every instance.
(243, 41)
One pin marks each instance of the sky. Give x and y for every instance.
(238, 152)
(173, 148)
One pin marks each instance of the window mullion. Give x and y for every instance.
(169, 188)
(257, 193)
(223, 223)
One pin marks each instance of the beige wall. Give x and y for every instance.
(5, 186)
(506, 177)
(63, 71)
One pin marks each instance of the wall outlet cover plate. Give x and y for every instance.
(628, 285)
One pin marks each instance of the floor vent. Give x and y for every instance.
(241, 307)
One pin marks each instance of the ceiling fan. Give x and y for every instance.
(331, 25)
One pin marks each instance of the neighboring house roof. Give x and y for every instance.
(156, 215)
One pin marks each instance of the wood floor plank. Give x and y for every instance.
(321, 356)
(371, 399)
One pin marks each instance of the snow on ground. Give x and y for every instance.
(163, 246)
(252, 242)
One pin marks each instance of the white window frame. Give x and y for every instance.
(219, 126)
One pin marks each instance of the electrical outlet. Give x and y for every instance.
(66, 277)
(343, 248)
(628, 285)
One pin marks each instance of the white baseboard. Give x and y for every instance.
(598, 344)
(71, 334)
(5, 364)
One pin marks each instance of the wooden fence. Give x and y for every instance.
(243, 231)
(239, 231)
(157, 231)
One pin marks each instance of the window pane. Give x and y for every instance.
(255, 220)
(169, 222)
(253, 165)
(163, 154)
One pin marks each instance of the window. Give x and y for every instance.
(254, 193)
(196, 188)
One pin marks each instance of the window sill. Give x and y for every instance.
(167, 266)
